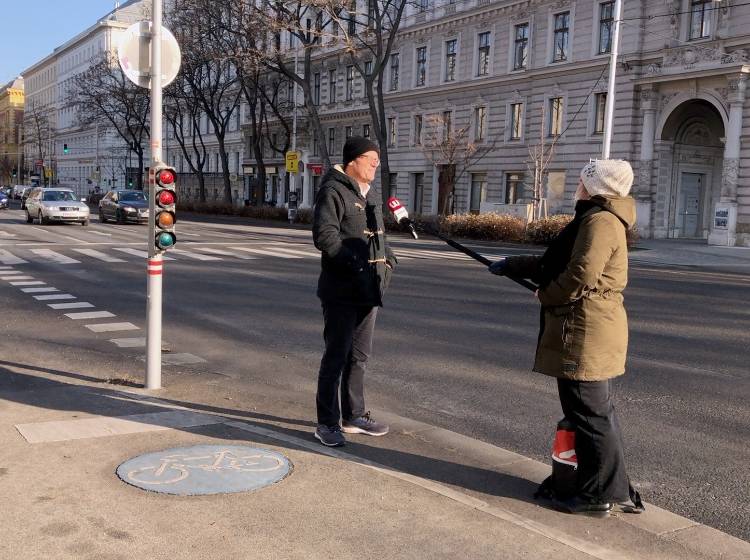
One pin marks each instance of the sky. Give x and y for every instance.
(33, 28)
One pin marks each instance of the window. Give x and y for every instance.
(392, 132)
(450, 60)
(606, 27)
(392, 184)
(394, 72)
(417, 130)
(421, 66)
(349, 83)
(521, 47)
(483, 54)
(331, 140)
(423, 6)
(700, 19)
(316, 148)
(368, 68)
(478, 191)
(516, 121)
(316, 88)
(513, 187)
(447, 124)
(480, 123)
(418, 184)
(348, 132)
(366, 131)
(352, 28)
(600, 108)
(332, 86)
(555, 116)
(561, 37)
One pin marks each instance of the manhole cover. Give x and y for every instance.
(205, 469)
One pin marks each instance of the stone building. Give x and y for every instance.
(11, 131)
(511, 73)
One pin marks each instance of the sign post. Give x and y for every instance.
(150, 57)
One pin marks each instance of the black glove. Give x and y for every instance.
(499, 267)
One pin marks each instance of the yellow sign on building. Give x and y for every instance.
(292, 162)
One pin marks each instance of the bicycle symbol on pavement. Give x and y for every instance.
(205, 469)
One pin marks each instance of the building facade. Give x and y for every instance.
(11, 131)
(514, 74)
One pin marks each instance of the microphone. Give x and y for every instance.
(401, 215)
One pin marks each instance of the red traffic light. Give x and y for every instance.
(165, 198)
(165, 177)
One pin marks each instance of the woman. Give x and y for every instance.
(583, 335)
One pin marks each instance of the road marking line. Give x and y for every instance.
(54, 297)
(138, 253)
(225, 253)
(8, 258)
(102, 426)
(74, 305)
(90, 315)
(129, 342)
(39, 290)
(54, 256)
(99, 233)
(266, 252)
(111, 327)
(7, 272)
(99, 255)
(298, 252)
(196, 256)
(16, 277)
(181, 359)
(28, 283)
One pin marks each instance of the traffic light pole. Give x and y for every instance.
(609, 111)
(154, 268)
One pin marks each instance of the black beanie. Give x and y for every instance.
(355, 146)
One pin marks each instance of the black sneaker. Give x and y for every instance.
(578, 506)
(364, 425)
(330, 436)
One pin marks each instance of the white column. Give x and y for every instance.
(642, 192)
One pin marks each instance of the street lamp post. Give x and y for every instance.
(609, 112)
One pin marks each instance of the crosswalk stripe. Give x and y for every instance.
(99, 255)
(16, 277)
(129, 342)
(224, 253)
(54, 256)
(90, 315)
(28, 283)
(196, 256)
(111, 327)
(267, 253)
(420, 254)
(52, 297)
(6, 257)
(39, 290)
(297, 252)
(73, 305)
(139, 253)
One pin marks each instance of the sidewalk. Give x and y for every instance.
(694, 253)
(419, 493)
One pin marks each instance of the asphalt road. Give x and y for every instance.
(454, 345)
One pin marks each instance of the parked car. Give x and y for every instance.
(3, 201)
(24, 195)
(124, 206)
(56, 205)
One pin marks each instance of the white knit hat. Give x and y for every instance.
(607, 177)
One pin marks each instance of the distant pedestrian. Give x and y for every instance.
(583, 336)
(356, 266)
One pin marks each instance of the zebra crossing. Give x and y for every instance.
(200, 253)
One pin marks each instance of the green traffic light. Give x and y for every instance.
(165, 240)
(65, 149)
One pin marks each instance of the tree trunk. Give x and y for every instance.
(201, 185)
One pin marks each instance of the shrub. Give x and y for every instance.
(487, 227)
(544, 230)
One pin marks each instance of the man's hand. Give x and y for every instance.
(498, 267)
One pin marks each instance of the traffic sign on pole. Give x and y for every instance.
(134, 55)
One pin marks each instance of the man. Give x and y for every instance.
(356, 266)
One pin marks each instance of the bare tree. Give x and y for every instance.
(38, 133)
(453, 151)
(104, 95)
(541, 154)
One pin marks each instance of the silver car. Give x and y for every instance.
(56, 205)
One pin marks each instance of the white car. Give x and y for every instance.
(56, 205)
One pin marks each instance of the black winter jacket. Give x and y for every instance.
(348, 230)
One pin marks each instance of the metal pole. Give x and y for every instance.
(293, 178)
(609, 113)
(154, 265)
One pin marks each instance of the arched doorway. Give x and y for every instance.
(691, 152)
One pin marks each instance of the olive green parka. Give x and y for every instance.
(584, 328)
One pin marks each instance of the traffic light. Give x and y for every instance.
(15, 172)
(65, 149)
(165, 198)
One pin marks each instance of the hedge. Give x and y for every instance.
(483, 227)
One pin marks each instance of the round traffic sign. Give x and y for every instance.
(134, 54)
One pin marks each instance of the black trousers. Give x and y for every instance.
(348, 338)
(601, 460)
